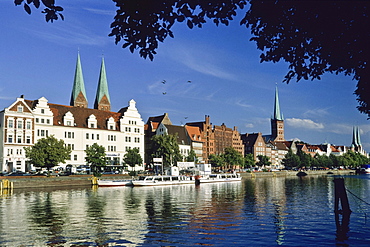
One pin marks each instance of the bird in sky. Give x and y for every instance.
(164, 81)
(164, 93)
(189, 81)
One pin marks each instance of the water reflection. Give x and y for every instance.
(48, 216)
(255, 212)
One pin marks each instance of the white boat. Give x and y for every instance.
(111, 183)
(178, 180)
(220, 177)
(163, 180)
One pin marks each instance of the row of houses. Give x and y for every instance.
(24, 122)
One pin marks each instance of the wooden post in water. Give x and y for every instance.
(341, 196)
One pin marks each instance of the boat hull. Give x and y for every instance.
(114, 183)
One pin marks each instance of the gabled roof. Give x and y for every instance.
(250, 139)
(80, 115)
(159, 119)
(181, 133)
(194, 133)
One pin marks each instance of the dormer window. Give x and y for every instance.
(111, 124)
(92, 122)
(68, 119)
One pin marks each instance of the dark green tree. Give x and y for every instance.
(166, 147)
(263, 160)
(232, 158)
(48, 152)
(249, 161)
(96, 157)
(217, 161)
(313, 37)
(305, 159)
(291, 160)
(132, 157)
(192, 157)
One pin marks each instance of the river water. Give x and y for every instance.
(275, 211)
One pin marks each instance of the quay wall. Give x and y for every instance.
(86, 180)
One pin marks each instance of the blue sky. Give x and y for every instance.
(228, 82)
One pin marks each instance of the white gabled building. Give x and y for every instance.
(26, 121)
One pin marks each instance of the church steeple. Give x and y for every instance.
(78, 97)
(277, 121)
(102, 100)
(277, 113)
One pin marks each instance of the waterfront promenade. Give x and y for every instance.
(23, 182)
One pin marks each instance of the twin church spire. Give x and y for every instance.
(78, 97)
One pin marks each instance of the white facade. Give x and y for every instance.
(25, 122)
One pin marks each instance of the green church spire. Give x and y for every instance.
(102, 100)
(277, 114)
(78, 97)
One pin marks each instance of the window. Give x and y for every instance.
(75, 157)
(69, 123)
(111, 127)
(10, 123)
(87, 135)
(42, 132)
(42, 120)
(19, 139)
(28, 125)
(48, 121)
(10, 152)
(92, 125)
(97, 136)
(92, 136)
(28, 139)
(19, 124)
(42, 111)
(20, 108)
(37, 120)
(128, 139)
(10, 138)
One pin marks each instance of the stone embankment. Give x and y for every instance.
(86, 180)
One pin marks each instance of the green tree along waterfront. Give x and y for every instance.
(166, 147)
(302, 160)
(48, 152)
(133, 157)
(96, 157)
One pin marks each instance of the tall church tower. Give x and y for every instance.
(102, 100)
(277, 121)
(78, 97)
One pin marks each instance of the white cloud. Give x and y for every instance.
(304, 123)
(319, 112)
(249, 125)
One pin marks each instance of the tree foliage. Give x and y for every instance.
(166, 147)
(95, 155)
(132, 157)
(249, 161)
(48, 152)
(216, 161)
(192, 157)
(263, 160)
(51, 11)
(313, 37)
(232, 158)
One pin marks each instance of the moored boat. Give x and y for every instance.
(220, 177)
(162, 180)
(111, 183)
